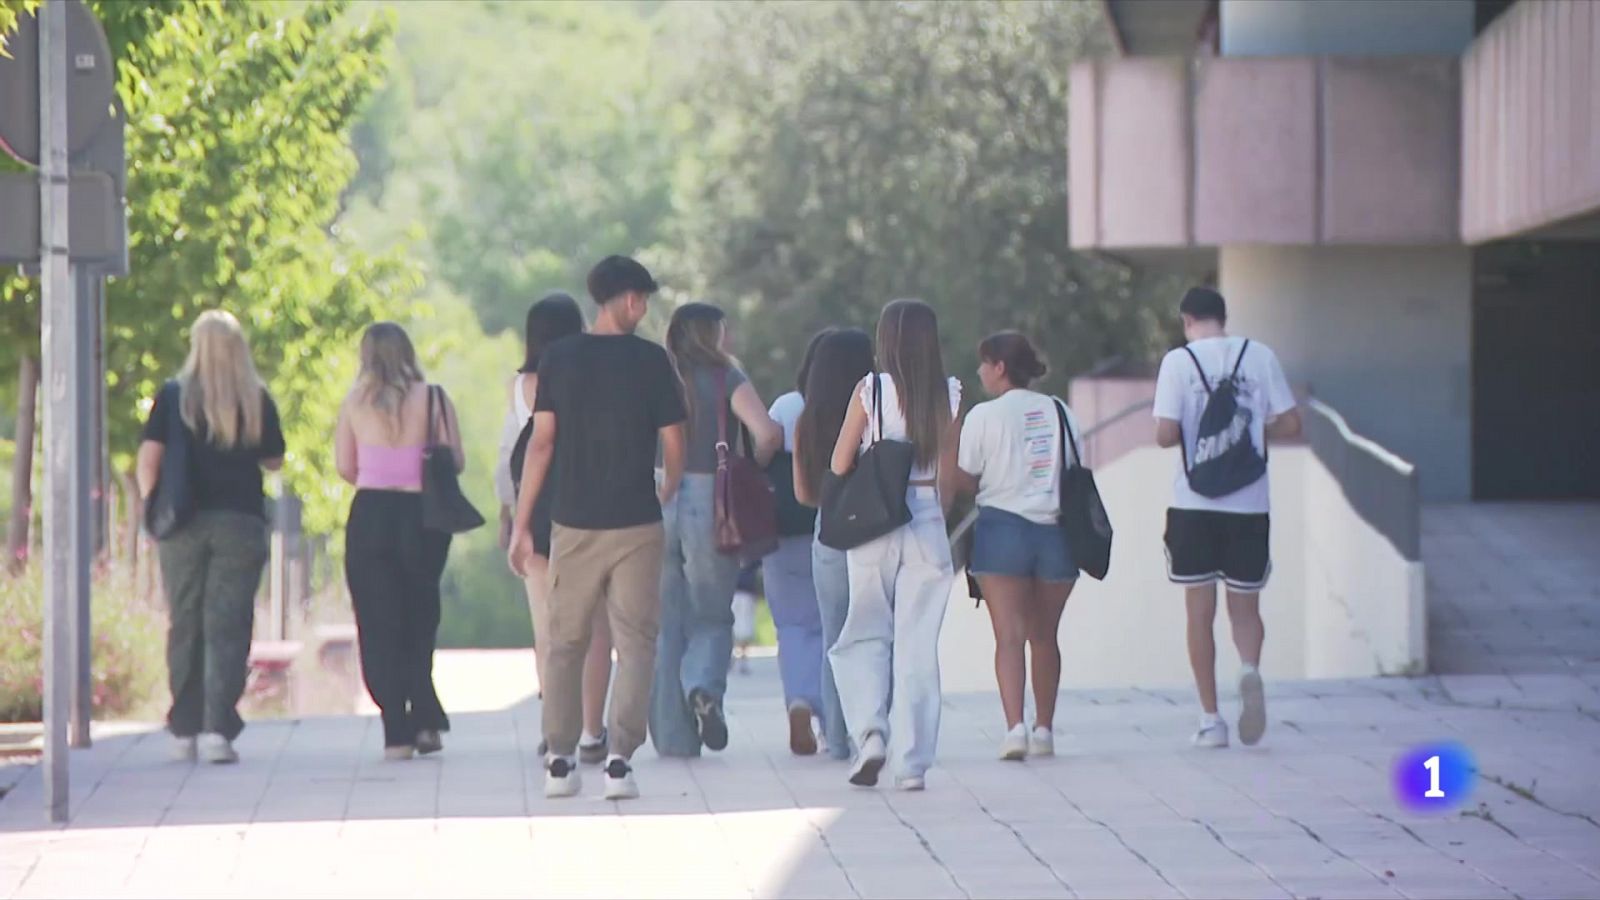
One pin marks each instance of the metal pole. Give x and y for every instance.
(97, 418)
(278, 583)
(62, 477)
(82, 512)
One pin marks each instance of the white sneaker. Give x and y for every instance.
(619, 780)
(910, 783)
(399, 753)
(1253, 720)
(1213, 735)
(869, 761)
(214, 748)
(561, 778)
(183, 749)
(1014, 747)
(1042, 742)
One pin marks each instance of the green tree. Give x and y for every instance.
(239, 117)
(851, 153)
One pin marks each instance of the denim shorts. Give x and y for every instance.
(1005, 543)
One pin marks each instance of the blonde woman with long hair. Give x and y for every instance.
(393, 563)
(211, 561)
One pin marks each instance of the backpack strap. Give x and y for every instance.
(1199, 368)
(1240, 361)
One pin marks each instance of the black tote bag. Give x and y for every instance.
(444, 507)
(173, 503)
(1084, 523)
(869, 502)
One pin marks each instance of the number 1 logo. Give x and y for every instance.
(1433, 777)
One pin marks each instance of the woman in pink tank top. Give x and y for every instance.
(393, 563)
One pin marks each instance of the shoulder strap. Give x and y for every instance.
(722, 407)
(1240, 361)
(877, 403)
(1066, 435)
(1199, 368)
(435, 395)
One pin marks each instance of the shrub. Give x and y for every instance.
(127, 641)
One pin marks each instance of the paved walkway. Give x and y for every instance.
(1127, 810)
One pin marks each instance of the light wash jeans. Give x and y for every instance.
(899, 588)
(786, 574)
(830, 575)
(695, 644)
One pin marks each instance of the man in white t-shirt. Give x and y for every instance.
(1213, 536)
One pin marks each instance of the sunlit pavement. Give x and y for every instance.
(1127, 809)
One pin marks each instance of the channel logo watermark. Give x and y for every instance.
(1434, 777)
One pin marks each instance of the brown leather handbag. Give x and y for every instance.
(745, 503)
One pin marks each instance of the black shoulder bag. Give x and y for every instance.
(444, 507)
(172, 504)
(1084, 524)
(870, 502)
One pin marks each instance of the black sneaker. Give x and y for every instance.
(619, 780)
(594, 754)
(708, 715)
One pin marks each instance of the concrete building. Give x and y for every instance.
(1401, 196)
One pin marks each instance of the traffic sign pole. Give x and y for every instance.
(64, 486)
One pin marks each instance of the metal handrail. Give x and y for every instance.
(971, 518)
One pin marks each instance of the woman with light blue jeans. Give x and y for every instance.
(695, 644)
(842, 358)
(886, 660)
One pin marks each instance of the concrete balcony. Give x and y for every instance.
(1531, 124)
(1295, 151)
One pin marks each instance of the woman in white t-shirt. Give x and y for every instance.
(1011, 453)
(900, 583)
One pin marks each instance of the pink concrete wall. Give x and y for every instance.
(1290, 151)
(1256, 151)
(1530, 139)
(1094, 400)
(1083, 156)
(1144, 159)
(1392, 170)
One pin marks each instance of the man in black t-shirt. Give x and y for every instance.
(604, 399)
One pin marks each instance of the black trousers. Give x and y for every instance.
(393, 566)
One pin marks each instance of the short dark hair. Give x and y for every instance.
(553, 317)
(1203, 303)
(617, 275)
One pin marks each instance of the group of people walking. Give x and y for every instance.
(612, 482)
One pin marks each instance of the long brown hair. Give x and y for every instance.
(388, 370)
(908, 350)
(839, 361)
(694, 341)
(218, 385)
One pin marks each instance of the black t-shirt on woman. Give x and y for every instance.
(224, 479)
(611, 395)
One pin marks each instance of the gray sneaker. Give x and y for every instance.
(594, 754)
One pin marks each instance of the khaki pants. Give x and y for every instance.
(619, 569)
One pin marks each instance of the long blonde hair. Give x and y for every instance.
(219, 387)
(388, 370)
